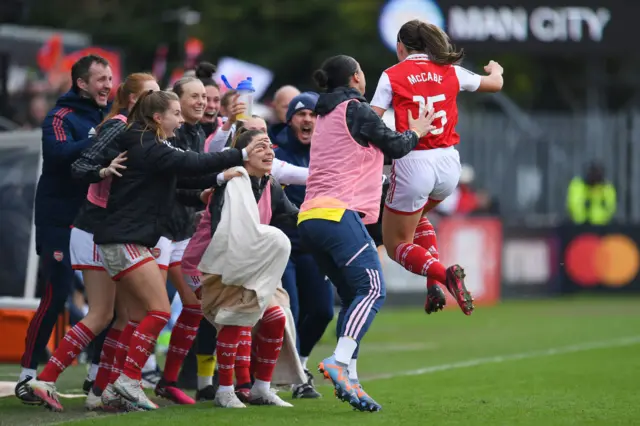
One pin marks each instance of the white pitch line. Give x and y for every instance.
(561, 350)
(603, 344)
(390, 347)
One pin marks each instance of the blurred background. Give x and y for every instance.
(549, 200)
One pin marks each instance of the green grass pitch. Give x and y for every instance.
(554, 362)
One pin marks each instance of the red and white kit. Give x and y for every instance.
(85, 254)
(432, 169)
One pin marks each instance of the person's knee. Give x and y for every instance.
(166, 309)
(158, 303)
(294, 308)
(373, 288)
(121, 322)
(324, 313)
(101, 318)
(59, 300)
(106, 318)
(390, 246)
(380, 300)
(275, 318)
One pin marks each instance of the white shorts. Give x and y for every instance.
(120, 259)
(192, 281)
(177, 251)
(421, 176)
(162, 252)
(84, 253)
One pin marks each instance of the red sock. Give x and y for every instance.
(270, 336)
(107, 357)
(254, 356)
(243, 357)
(425, 237)
(121, 350)
(143, 342)
(418, 260)
(73, 343)
(182, 337)
(226, 349)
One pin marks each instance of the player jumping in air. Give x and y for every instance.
(426, 78)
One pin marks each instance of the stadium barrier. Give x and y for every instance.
(20, 164)
(502, 261)
(529, 262)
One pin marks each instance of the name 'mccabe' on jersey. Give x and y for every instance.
(417, 83)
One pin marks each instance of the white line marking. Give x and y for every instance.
(72, 395)
(389, 347)
(583, 347)
(603, 344)
(6, 389)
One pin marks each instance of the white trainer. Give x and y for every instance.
(113, 402)
(228, 400)
(131, 390)
(93, 401)
(269, 397)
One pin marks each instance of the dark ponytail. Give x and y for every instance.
(335, 72)
(421, 37)
(205, 72)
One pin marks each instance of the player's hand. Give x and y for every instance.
(258, 144)
(116, 164)
(236, 109)
(230, 174)
(436, 300)
(493, 68)
(205, 195)
(422, 125)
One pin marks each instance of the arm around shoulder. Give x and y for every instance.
(166, 157)
(367, 126)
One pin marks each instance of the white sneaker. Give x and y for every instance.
(131, 390)
(228, 400)
(47, 392)
(260, 397)
(93, 401)
(113, 402)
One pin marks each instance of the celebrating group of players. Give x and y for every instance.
(118, 198)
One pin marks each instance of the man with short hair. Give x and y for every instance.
(281, 100)
(66, 131)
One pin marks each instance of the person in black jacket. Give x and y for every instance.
(180, 228)
(140, 203)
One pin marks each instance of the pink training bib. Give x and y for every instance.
(98, 193)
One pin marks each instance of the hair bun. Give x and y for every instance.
(205, 70)
(321, 78)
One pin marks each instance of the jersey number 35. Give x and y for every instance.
(429, 105)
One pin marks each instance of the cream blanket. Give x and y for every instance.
(243, 267)
(245, 253)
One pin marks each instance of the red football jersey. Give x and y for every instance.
(417, 83)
